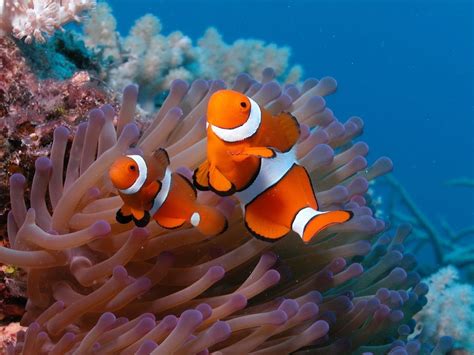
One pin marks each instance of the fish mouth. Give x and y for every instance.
(114, 174)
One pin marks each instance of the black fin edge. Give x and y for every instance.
(259, 236)
(122, 219)
(170, 228)
(198, 185)
(143, 222)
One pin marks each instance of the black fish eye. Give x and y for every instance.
(132, 167)
(243, 104)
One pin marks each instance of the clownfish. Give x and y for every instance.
(149, 189)
(251, 154)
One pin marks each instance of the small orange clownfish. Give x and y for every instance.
(149, 189)
(251, 154)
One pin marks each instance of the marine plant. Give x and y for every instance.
(95, 285)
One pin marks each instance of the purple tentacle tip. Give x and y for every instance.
(220, 331)
(216, 273)
(146, 348)
(205, 309)
(101, 228)
(120, 273)
(17, 180)
(61, 133)
(238, 301)
(290, 307)
(131, 90)
(43, 164)
(191, 318)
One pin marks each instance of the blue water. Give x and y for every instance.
(406, 67)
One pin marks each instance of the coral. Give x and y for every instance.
(448, 247)
(464, 181)
(95, 285)
(61, 57)
(8, 333)
(218, 59)
(12, 293)
(33, 19)
(30, 110)
(100, 30)
(153, 60)
(450, 309)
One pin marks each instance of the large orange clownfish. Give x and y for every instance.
(251, 154)
(149, 189)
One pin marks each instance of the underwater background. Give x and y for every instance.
(406, 68)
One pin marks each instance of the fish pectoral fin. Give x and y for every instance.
(219, 183)
(141, 218)
(291, 128)
(201, 176)
(260, 152)
(169, 222)
(124, 215)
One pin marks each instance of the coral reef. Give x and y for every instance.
(95, 285)
(12, 293)
(153, 60)
(61, 57)
(30, 110)
(30, 20)
(450, 310)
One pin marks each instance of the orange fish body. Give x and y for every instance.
(149, 189)
(251, 154)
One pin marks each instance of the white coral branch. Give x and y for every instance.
(33, 19)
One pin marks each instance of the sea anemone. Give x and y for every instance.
(96, 285)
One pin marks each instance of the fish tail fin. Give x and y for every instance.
(209, 220)
(309, 222)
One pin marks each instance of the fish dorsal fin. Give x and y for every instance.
(291, 128)
(159, 162)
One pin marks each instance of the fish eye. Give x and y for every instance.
(243, 104)
(132, 167)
